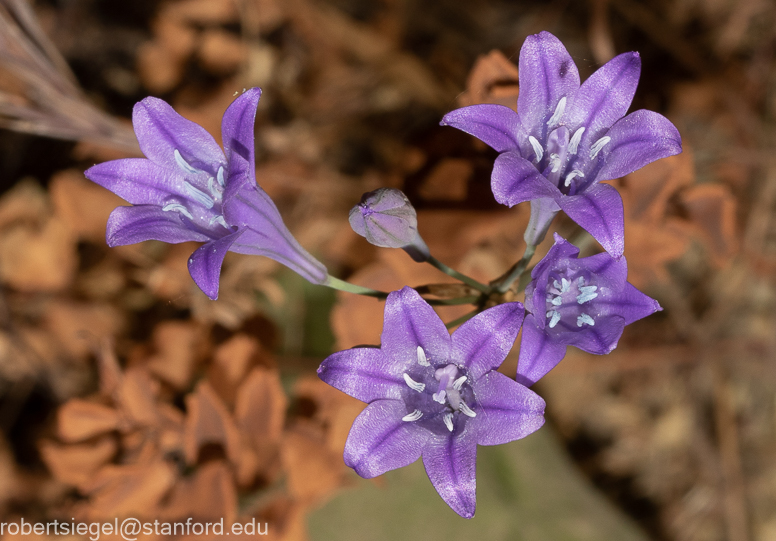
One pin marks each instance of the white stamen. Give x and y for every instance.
(440, 396)
(584, 318)
(565, 286)
(587, 294)
(555, 318)
(220, 176)
(414, 385)
(199, 196)
(218, 220)
(214, 192)
(554, 162)
(572, 175)
(422, 361)
(556, 284)
(557, 301)
(466, 410)
(448, 419)
(459, 382)
(559, 110)
(183, 164)
(575, 139)
(537, 148)
(598, 145)
(581, 281)
(414, 416)
(177, 207)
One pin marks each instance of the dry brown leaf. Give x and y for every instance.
(83, 206)
(79, 327)
(175, 36)
(493, 79)
(205, 12)
(159, 69)
(208, 421)
(233, 358)
(208, 494)
(132, 490)
(448, 181)
(712, 210)
(313, 470)
(335, 408)
(78, 420)
(175, 343)
(26, 202)
(33, 259)
(222, 52)
(137, 397)
(76, 464)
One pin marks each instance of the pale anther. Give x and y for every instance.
(554, 163)
(571, 176)
(414, 416)
(422, 361)
(219, 220)
(584, 318)
(448, 419)
(199, 196)
(559, 110)
(557, 301)
(214, 192)
(179, 208)
(414, 385)
(466, 410)
(555, 318)
(220, 176)
(565, 285)
(459, 382)
(183, 164)
(598, 145)
(440, 396)
(556, 284)
(537, 148)
(575, 139)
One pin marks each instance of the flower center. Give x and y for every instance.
(568, 298)
(195, 196)
(449, 403)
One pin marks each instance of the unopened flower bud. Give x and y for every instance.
(385, 217)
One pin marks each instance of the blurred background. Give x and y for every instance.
(125, 392)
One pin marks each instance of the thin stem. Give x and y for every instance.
(471, 299)
(504, 283)
(342, 285)
(457, 275)
(463, 319)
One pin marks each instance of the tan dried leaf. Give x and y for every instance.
(260, 410)
(209, 494)
(26, 202)
(208, 421)
(336, 409)
(160, 69)
(137, 397)
(313, 470)
(448, 181)
(175, 343)
(78, 420)
(712, 210)
(493, 79)
(222, 52)
(82, 205)
(76, 464)
(233, 358)
(78, 327)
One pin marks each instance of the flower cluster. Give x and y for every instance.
(431, 394)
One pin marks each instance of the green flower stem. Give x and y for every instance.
(341, 285)
(504, 283)
(458, 276)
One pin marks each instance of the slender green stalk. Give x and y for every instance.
(503, 284)
(458, 276)
(336, 283)
(463, 319)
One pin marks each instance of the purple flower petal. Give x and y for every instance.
(138, 181)
(547, 74)
(363, 373)
(129, 225)
(599, 211)
(238, 135)
(482, 343)
(161, 132)
(450, 463)
(516, 180)
(380, 441)
(603, 99)
(410, 322)
(538, 352)
(636, 140)
(249, 207)
(599, 339)
(205, 263)
(509, 411)
(495, 125)
(631, 304)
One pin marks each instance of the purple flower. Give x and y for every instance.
(566, 138)
(385, 217)
(579, 302)
(188, 189)
(434, 395)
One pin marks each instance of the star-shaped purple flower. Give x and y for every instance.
(188, 189)
(566, 138)
(576, 302)
(434, 395)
